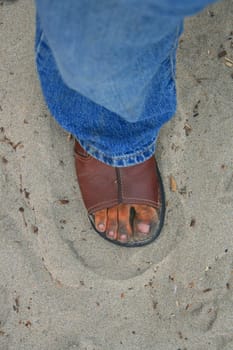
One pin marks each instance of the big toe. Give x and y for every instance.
(144, 219)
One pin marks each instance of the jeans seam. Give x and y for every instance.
(41, 37)
(122, 157)
(173, 51)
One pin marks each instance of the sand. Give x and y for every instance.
(63, 287)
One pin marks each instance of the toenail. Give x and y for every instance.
(111, 234)
(101, 227)
(123, 238)
(144, 228)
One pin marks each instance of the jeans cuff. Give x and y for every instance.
(124, 160)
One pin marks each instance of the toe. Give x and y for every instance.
(145, 217)
(124, 233)
(111, 230)
(142, 227)
(101, 220)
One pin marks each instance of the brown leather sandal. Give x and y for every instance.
(103, 186)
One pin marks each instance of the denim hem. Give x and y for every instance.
(121, 161)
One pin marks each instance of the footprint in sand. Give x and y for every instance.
(203, 316)
(212, 301)
(68, 244)
(97, 255)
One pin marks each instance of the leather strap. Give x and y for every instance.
(103, 186)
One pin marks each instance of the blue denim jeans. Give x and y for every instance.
(107, 70)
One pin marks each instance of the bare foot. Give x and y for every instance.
(117, 223)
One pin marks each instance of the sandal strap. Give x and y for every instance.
(103, 186)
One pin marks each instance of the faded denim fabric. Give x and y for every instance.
(107, 70)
